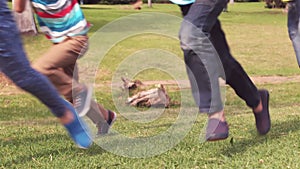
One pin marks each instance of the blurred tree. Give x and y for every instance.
(25, 20)
(275, 4)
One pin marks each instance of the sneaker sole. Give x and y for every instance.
(87, 103)
(217, 137)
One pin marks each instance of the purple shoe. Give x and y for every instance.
(216, 130)
(262, 119)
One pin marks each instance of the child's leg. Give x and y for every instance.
(14, 64)
(294, 26)
(20, 72)
(58, 65)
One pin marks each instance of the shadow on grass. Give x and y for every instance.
(158, 125)
(37, 147)
(277, 131)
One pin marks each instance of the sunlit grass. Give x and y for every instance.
(32, 138)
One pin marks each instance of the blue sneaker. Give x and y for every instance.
(82, 100)
(78, 129)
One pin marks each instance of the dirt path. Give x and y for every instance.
(275, 79)
(7, 88)
(256, 80)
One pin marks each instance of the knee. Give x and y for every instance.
(293, 27)
(43, 69)
(39, 68)
(185, 36)
(293, 32)
(192, 37)
(26, 79)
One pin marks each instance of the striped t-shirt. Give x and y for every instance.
(59, 19)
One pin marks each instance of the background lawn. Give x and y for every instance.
(32, 138)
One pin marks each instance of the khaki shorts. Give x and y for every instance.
(59, 63)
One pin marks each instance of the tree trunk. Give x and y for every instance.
(25, 20)
(279, 4)
(149, 3)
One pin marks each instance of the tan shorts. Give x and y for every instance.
(59, 63)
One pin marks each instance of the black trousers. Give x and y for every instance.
(204, 17)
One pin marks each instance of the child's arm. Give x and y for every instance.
(19, 5)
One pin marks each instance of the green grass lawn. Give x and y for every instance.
(32, 138)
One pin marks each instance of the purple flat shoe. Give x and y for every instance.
(216, 130)
(262, 119)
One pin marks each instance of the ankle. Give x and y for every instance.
(217, 115)
(67, 118)
(258, 108)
